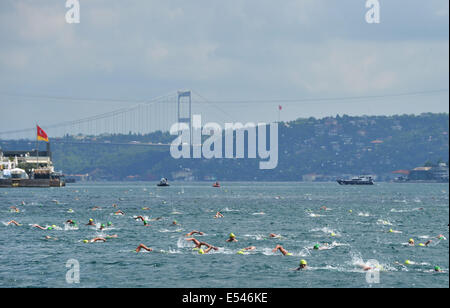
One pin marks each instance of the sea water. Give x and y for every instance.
(352, 223)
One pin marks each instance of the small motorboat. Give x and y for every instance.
(163, 182)
(216, 184)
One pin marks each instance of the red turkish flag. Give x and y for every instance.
(41, 135)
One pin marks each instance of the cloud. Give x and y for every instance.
(242, 49)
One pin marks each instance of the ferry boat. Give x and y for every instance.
(360, 180)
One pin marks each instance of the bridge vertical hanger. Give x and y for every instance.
(182, 115)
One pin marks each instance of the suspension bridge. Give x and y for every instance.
(142, 118)
(160, 113)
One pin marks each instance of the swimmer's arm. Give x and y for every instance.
(98, 239)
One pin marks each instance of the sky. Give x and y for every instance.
(227, 51)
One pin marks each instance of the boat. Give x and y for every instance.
(216, 184)
(360, 180)
(29, 169)
(163, 182)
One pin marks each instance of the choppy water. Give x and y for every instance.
(355, 226)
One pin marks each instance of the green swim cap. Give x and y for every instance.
(109, 223)
(316, 246)
(232, 235)
(49, 228)
(103, 225)
(437, 268)
(74, 222)
(303, 262)
(145, 222)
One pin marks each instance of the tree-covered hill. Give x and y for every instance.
(321, 149)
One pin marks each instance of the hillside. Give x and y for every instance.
(320, 149)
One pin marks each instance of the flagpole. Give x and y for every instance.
(37, 149)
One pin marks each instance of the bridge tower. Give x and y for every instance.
(184, 98)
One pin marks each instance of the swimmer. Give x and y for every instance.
(14, 223)
(194, 232)
(174, 223)
(441, 237)
(43, 228)
(251, 248)
(437, 269)
(71, 222)
(114, 205)
(318, 247)
(428, 243)
(303, 265)
(273, 235)
(366, 267)
(112, 236)
(282, 250)
(198, 244)
(142, 246)
(146, 224)
(146, 208)
(232, 238)
(14, 209)
(139, 218)
(47, 237)
(90, 223)
(119, 212)
(195, 241)
(218, 215)
(411, 242)
(210, 247)
(98, 239)
(102, 226)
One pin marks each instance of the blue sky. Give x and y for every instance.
(224, 50)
